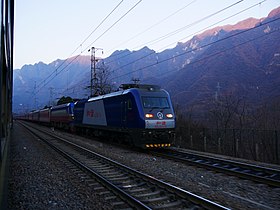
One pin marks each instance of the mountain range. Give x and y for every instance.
(241, 60)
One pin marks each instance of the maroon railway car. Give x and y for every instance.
(45, 115)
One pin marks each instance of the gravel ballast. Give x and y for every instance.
(39, 179)
(228, 191)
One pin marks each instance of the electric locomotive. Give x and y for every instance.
(141, 115)
(62, 116)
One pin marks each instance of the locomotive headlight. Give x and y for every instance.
(169, 115)
(149, 115)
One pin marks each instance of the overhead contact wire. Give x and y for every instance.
(45, 83)
(206, 45)
(159, 22)
(192, 34)
(114, 23)
(177, 31)
(55, 71)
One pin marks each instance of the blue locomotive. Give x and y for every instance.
(138, 114)
(141, 115)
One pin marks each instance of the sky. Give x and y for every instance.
(58, 29)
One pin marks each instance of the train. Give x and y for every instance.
(140, 115)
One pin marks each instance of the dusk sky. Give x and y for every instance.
(50, 30)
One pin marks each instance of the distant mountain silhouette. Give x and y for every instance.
(246, 65)
(241, 59)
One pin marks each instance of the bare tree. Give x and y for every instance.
(275, 114)
(222, 112)
(104, 84)
(267, 117)
(243, 112)
(229, 112)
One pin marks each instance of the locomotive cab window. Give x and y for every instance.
(155, 102)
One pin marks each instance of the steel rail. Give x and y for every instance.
(256, 173)
(128, 183)
(119, 192)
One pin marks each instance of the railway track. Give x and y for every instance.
(255, 173)
(134, 189)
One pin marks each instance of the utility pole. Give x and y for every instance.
(93, 78)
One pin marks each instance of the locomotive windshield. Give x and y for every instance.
(155, 102)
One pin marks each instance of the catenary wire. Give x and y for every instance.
(190, 35)
(156, 24)
(207, 57)
(238, 45)
(55, 71)
(75, 57)
(114, 23)
(138, 59)
(210, 44)
(179, 30)
(195, 49)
